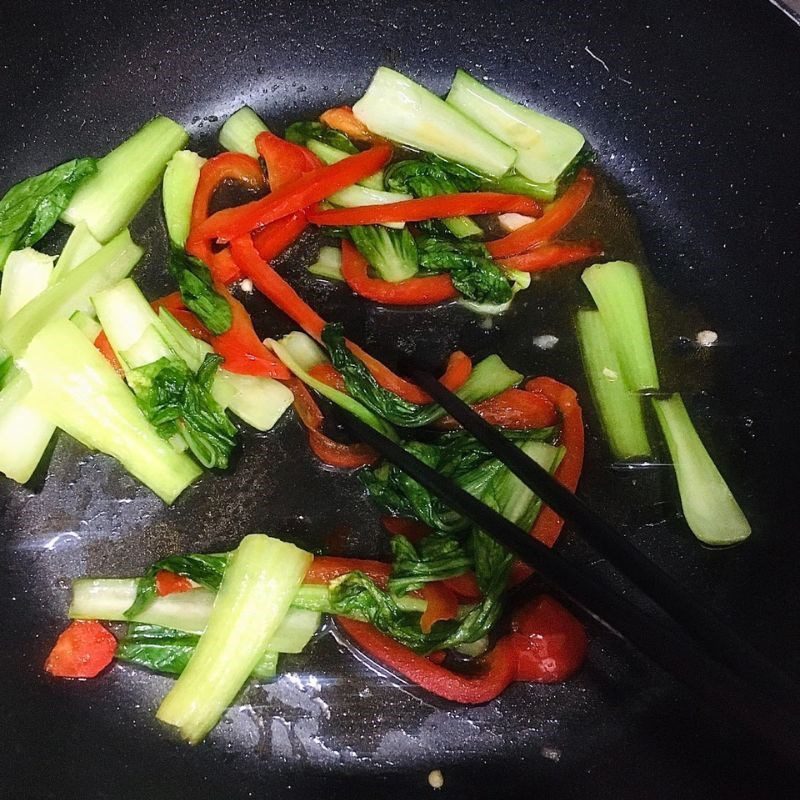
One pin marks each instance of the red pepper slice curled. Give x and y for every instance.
(556, 216)
(412, 292)
(306, 190)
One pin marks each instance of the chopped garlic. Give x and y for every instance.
(511, 222)
(435, 779)
(246, 285)
(706, 338)
(610, 374)
(546, 341)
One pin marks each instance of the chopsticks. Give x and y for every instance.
(663, 642)
(700, 621)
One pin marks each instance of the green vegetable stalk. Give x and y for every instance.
(391, 253)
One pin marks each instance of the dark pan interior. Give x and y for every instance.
(692, 109)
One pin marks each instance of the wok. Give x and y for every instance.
(692, 108)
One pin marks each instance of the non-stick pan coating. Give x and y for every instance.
(693, 111)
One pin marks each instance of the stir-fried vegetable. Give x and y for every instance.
(152, 384)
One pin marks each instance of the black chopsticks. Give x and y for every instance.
(698, 620)
(663, 642)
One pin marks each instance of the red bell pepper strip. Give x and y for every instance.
(325, 569)
(274, 238)
(174, 304)
(285, 161)
(465, 586)
(422, 208)
(458, 369)
(343, 119)
(336, 454)
(556, 216)
(104, 346)
(554, 254)
(402, 526)
(548, 524)
(329, 375)
(243, 351)
(514, 409)
(171, 583)
(223, 267)
(275, 288)
(442, 604)
(226, 166)
(496, 669)
(282, 295)
(386, 378)
(410, 292)
(83, 650)
(550, 643)
(308, 189)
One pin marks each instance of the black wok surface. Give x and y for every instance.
(693, 110)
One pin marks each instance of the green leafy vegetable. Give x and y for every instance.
(474, 273)
(177, 401)
(301, 132)
(490, 377)
(436, 557)
(364, 388)
(156, 648)
(456, 455)
(198, 293)
(431, 175)
(168, 651)
(29, 209)
(391, 253)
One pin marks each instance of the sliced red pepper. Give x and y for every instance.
(171, 583)
(243, 351)
(275, 288)
(514, 409)
(422, 208)
(83, 650)
(465, 586)
(310, 188)
(325, 569)
(174, 304)
(224, 268)
(548, 524)
(495, 671)
(388, 380)
(554, 254)
(412, 292)
(274, 238)
(226, 166)
(442, 604)
(329, 375)
(104, 346)
(550, 643)
(282, 295)
(343, 119)
(457, 371)
(336, 454)
(556, 216)
(285, 161)
(412, 529)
